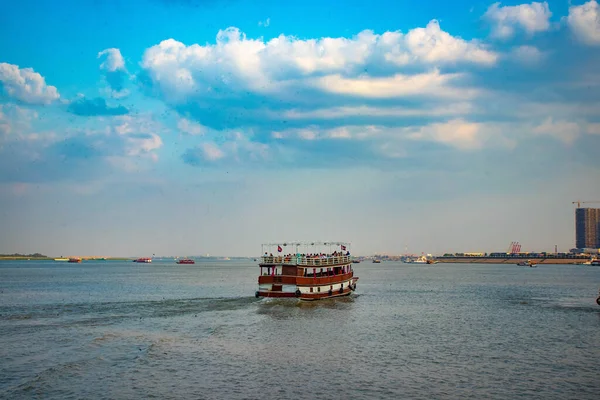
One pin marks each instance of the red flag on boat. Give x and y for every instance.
(343, 247)
(279, 249)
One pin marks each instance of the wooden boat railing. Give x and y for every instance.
(304, 280)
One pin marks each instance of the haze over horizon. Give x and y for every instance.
(188, 127)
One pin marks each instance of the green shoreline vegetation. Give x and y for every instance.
(18, 256)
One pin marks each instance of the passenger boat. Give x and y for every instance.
(74, 260)
(312, 275)
(186, 261)
(143, 260)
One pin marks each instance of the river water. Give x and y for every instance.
(117, 330)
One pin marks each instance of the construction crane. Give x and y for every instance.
(579, 203)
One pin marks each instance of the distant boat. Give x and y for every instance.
(143, 260)
(376, 261)
(74, 260)
(527, 263)
(186, 261)
(355, 261)
(61, 259)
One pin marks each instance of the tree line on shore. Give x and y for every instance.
(36, 255)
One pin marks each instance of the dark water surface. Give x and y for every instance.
(116, 330)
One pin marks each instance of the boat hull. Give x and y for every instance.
(319, 289)
(305, 296)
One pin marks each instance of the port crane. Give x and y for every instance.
(579, 203)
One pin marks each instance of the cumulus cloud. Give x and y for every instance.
(96, 150)
(26, 85)
(236, 64)
(506, 20)
(95, 107)
(115, 73)
(584, 21)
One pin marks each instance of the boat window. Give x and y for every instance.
(311, 290)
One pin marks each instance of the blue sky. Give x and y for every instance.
(189, 127)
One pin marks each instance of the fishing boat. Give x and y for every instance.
(186, 261)
(74, 260)
(312, 275)
(61, 259)
(143, 260)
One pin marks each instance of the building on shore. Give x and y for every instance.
(587, 228)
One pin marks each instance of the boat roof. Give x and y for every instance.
(307, 244)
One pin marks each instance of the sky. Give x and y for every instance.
(186, 127)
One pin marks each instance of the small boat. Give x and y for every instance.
(186, 261)
(74, 260)
(354, 261)
(376, 261)
(595, 262)
(143, 260)
(312, 275)
(61, 259)
(527, 263)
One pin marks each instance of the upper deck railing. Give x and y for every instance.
(306, 261)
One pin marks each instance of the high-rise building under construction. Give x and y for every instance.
(587, 228)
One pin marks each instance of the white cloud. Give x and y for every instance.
(593, 128)
(26, 85)
(531, 18)
(16, 121)
(265, 23)
(399, 85)
(190, 127)
(452, 109)
(527, 55)
(4, 124)
(458, 133)
(141, 144)
(241, 64)
(565, 131)
(584, 21)
(211, 151)
(432, 45)
(314, 132)
(114, 60)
